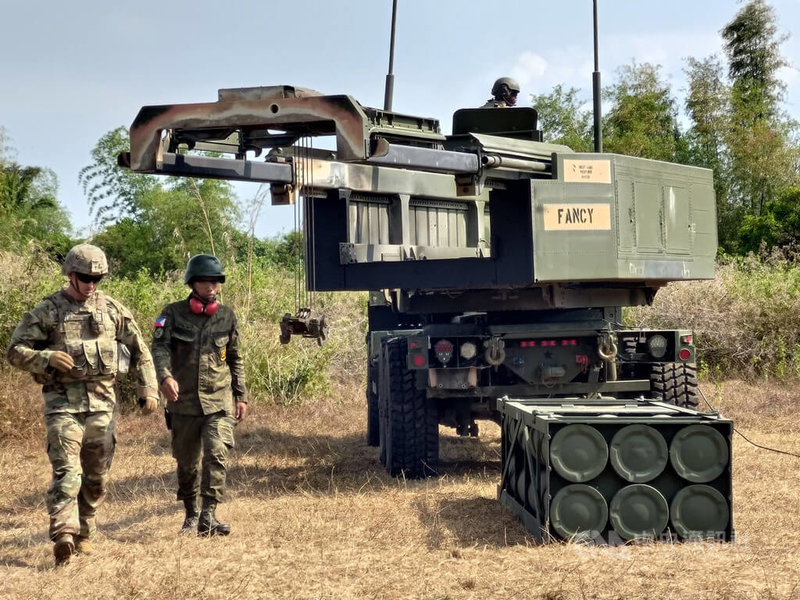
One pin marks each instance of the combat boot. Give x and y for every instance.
(84, 546)
(63, 549)
(192, 515)
(208, 524)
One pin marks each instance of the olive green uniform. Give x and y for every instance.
(201, 352)
(102, 338)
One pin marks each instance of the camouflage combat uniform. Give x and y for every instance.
(493, 103)
(102, 337)
(202, 353)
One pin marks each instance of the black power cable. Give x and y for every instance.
(744, 437)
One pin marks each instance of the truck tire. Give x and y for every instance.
(409, 421)
(675, 383)
(373, 422)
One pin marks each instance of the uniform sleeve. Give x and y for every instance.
(27, 349)
(233, 357)
(128, 333)
(162, 335)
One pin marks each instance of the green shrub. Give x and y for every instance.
(28, 278)
(260, 293)
(746, 321)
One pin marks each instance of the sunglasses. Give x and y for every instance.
(84, 278)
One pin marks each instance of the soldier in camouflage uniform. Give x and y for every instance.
(201, 374)
(76, 343)
(504, 93)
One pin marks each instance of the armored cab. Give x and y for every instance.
(497, 267)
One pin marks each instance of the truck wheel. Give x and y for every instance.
(373, 422)
(675, 383)
(410, 422)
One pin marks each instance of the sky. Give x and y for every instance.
(72, 71)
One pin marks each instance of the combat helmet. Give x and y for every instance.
(86, 259)
(203, 265)
(504, 88)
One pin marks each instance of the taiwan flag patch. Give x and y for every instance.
(160, 322)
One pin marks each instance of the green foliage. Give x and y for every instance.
(152, 225)
(113, 193)
(29, 277)
(260, 293)
(708, 107)
(29, 210)
(564, 120)
(763, 161)
(746, 321)
(643, 118)
(752, 45)
(777, 226)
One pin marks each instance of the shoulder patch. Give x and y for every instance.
(160, 322)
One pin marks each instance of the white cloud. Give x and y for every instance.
(528, 67)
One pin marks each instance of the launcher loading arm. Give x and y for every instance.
(376, 151)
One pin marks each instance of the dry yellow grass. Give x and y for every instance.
(315, 517)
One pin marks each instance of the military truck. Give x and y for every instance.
(497, 268)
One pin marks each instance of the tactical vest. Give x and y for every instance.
(88, 334)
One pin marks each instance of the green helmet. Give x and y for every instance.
(87, 259)
(203, 265)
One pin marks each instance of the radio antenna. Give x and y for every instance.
(387, 97)
(598, 129)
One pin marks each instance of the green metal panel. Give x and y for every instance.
(606, 217)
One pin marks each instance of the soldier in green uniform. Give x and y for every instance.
(201, 374)
(76, 342)
(504, 93)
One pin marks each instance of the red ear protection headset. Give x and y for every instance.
(199, 308)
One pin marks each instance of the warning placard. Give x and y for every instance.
(587, 171)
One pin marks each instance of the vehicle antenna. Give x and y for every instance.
(598, 130)
(387, 97)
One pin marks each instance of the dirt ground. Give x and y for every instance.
(315, 517)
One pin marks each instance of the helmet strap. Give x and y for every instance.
(77, 293)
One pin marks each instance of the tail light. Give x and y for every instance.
(444, 351)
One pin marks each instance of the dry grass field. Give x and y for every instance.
(315, 517)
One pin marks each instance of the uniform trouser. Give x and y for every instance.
(211, 435)
(80, 447)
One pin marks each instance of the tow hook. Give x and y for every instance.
(607, 351)
(495, 351)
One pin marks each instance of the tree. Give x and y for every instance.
(708, 109)
(778, 225)
(151, 222)
(112, 192)
(29, 209)
(6, 150)
(563, 120)
(642, 120)
(763, 162)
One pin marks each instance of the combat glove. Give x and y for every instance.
(61, 361)
(148, 405)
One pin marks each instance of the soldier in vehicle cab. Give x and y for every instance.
(504, 93)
